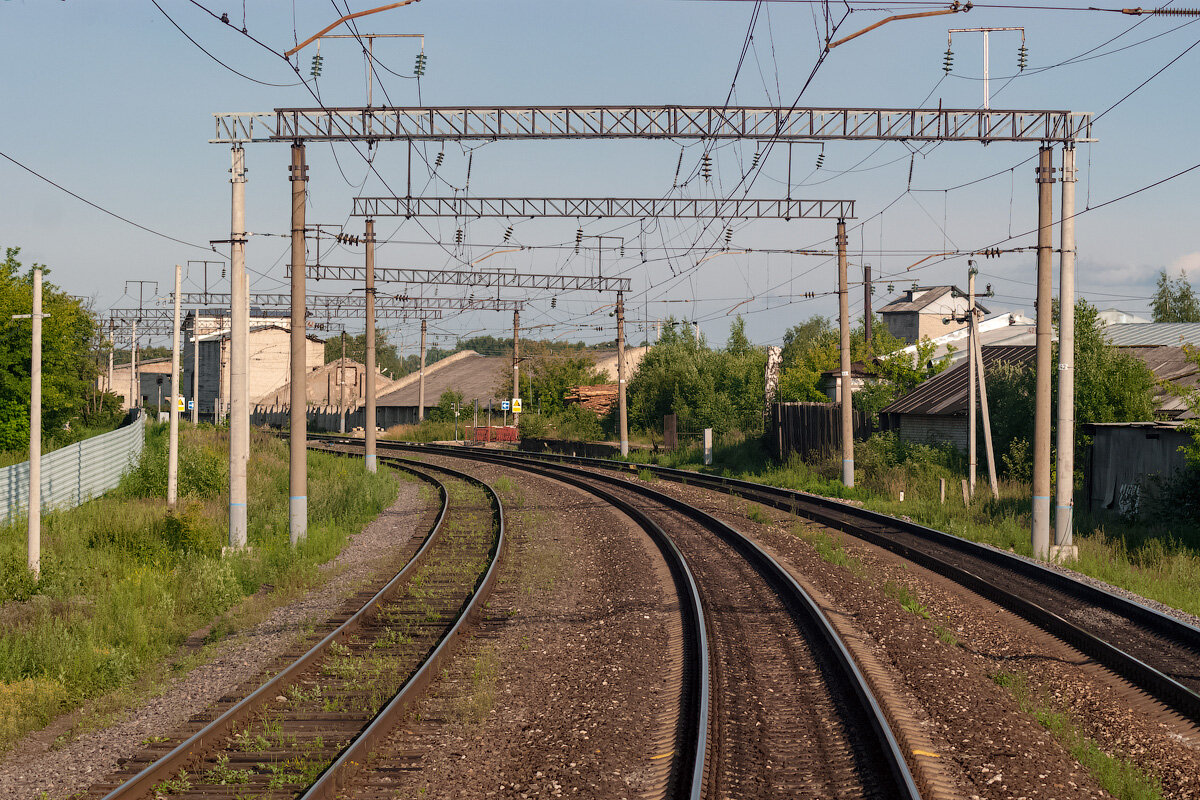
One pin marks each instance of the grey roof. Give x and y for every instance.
(946, 392)
(1154, 333)
(926, 296)
(477, 377)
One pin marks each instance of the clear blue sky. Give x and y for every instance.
(114, 103)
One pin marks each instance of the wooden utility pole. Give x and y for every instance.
(1040, 517)
(846, 390)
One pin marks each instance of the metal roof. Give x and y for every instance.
(1154, 333)
(946, 393)
(919, 298)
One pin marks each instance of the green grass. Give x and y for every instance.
(1159, 560)
(1118, 775)
(123, 582)
(427, 431)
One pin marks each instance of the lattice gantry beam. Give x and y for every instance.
(654, 122)
(316, 304)
(579, 207)
(485, 278)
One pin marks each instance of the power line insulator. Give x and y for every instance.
(728, 236)
(554, 302)
(891, 288)
(458, 236)
(1022, 57)
(437, 162)
(317, 62)
(419, 67)
(508, 233)
(578, 238)
(706, 167)
(754, 161)
(821, 158)
(948, 61)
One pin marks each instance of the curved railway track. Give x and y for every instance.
(792, 713)
(304, 731)
(1156, 653)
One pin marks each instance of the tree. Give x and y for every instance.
(1174, 300)
(68, 369)
(1111, 385)
(386, 356)
(718, 389)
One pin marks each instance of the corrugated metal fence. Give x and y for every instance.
(77, 472)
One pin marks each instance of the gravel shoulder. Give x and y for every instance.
(565, 688)
(37, 765)
(959, 657)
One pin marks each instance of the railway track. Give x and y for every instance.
(1155, 652)
(792, 715)
(305, 731)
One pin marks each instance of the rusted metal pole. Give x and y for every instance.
(1040, 524)
(239, 356)
(369, 421)
(1064, 538)
(846, 391)
(298, 435)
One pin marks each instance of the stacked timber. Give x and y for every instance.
(597, 399)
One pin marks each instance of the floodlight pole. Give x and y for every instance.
(623, 419)
(239, 355)
(369, 421)
(1040, 520)
(846, 390)
(297, 439)
(1065, 486)
(173, 439)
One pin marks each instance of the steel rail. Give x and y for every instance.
(801, 605)
(143, 782)
(873, 527)
(354, 755)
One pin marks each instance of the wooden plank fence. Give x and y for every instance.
(811, 430)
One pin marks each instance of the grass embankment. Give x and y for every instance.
(124, 583)
(1159, 560)
(426, 431)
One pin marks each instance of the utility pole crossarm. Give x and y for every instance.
(581, 207)
(777, 123)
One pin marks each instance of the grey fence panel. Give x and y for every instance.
(76, 473)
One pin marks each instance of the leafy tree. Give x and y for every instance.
(705, 388)
(814, 347)
(1174, 300)
(68, 369)
(445, 407)
(1111, 385)
(546, 375)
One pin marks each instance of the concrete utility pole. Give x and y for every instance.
(195, 366)
(298, 438)
(1040, 525)
(35, 429)
(369, 421)
(239, 355)
(421, 379)
(867, 321)
(622, 412)
(846, 391)
(341, 384)
(516, 392)
(972, 411)
(1064, 538)
(176, 396)
(135, 395)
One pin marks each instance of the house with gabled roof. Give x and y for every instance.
(923, 310)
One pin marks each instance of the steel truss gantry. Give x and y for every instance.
(318, 304)
(427, 123)
(457, 277)
(581, 207)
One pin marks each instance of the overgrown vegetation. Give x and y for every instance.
(123, 582)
